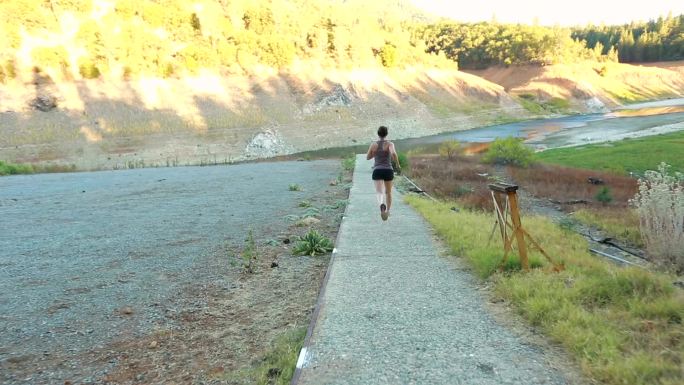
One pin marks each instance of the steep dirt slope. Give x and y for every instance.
(208, 118)
(591, 86)
(216, 118)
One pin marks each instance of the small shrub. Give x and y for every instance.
(660, 205)
(450, 148)
(294, 187)
(89, 70)
(604, 196)
(603, 71)
(250, 253)
(14, 169)
(403, 161)
(557, 105)
(389, 55)
(305, 204)
(313, 243)
(291, 217)
(462, 190)
(349, 162)
(509, 151)
(311, 212)
(567, 224)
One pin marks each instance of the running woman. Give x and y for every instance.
(383, 174)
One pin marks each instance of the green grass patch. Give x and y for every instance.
(278, 365)
(621, 224)
(18, 168)
(622, 325)
(629, 155)
(349, 162)
(15, 169)
(554, 105)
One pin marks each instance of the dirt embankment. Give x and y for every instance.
(591, 86)
(213, 118)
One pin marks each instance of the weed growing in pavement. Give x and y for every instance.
(291, 217)
(339, 204)
(311, 212)
(250, 253)
(305, 204)
(294, 187)
(313, 243)
(623, 325)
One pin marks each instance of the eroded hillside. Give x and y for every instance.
(215, 118)
(212, 118)
(591, 86)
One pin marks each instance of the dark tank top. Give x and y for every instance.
(382, 156)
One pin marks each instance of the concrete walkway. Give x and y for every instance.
(394, 312)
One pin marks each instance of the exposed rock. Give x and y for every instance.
(266, 144)
(595, 105)
(126, 310)
(44, 102)
(339, 96)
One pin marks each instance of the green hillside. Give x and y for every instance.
(71, 39)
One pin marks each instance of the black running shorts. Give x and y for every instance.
(383, 174)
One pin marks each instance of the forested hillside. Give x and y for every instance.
(70, 39)
(656, 40)
(480, 45)
(173, 37)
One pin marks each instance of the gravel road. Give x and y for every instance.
(90, 258)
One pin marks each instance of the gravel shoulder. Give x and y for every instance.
(135, 276)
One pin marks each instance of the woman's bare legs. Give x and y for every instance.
(388, 193)
(379, 191)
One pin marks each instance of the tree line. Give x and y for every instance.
(656, 40)
(481, 45)
(82, 38)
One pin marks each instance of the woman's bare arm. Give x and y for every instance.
(393, 152)
(371, 151)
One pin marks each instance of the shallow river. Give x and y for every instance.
(630, 121)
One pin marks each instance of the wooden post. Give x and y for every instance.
(518, 232)
(517, 229)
